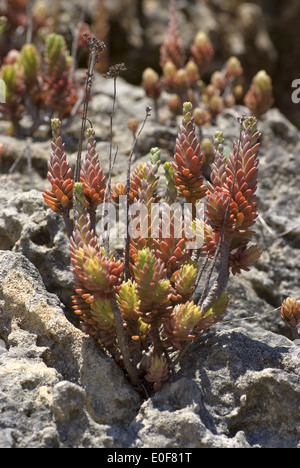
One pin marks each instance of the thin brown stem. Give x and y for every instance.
(222, 278)
(95, 48)
(68, 222)
(132, 372)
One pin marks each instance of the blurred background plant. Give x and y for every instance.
(38, 68)
(261, 34)
(183, 78)
(146, 306)
(38, 87)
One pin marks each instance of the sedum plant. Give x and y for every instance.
(259, 98)
(147, 305)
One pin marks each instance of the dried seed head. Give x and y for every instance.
(115, 70)
(94, 45)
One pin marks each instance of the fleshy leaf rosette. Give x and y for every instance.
(129, 303)
(158, 371)
(151, 83)
(29, 62)
(170, 244)
(184, 281)
(171, 191)
(202, 50)
(60, 197)
(91, 175)
(244, 258)
(260, 98)
(153, 288)
(290, 314)
(172, 49)
(188, 160)
(13, 108)
(183, 321)
(188, 321)
(214, 314)
(59, 92)
(232, 195)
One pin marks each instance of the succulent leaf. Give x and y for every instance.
(290, 312)
(153, 288)
(158, 371)
(260, 98)
(188, 160)
(60, 198)
(91, 175)
(183, 321)
(184, 281)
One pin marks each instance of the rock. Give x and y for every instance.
(15, 159)
(28, 226)
(235, 389)
(51, 370)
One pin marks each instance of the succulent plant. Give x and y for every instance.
(185, 76)
(59, 92)
(290, 314)
(188, 160)
(202, 50)
(144, 308)
(60, 197)
(39, 86)
(172, 49)
(260, 98)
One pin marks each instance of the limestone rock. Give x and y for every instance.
(50, 369)
(241, 391)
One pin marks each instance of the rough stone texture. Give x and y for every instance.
(239, 392)
(56, 384)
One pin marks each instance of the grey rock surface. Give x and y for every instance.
(240, 391)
